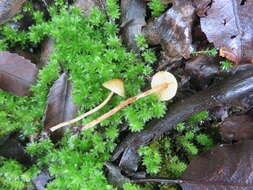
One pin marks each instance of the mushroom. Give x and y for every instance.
(116, 86)
(163, 84)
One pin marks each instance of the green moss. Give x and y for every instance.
(156, 7)
(14, 176)
(89, 49)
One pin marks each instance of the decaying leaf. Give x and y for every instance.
(202, 66)
(46, 49)
(17, 74)
(115, 176)
(224, 167)
(228, 24)
(8, 8)
(237, 127)
(133, 14)
(60, 107)
(173, 30)
(202, 69)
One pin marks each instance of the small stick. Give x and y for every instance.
(124, 104)
(83, 115)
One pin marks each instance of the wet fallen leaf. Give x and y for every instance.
(47, 48)
(173, 30)
(237, 127)
(133, 14)
(115, 176)
(60, 107)
(202, 69)
(202, 66)
(17, 74)
(224, 167)
(227, 24)
(8, 8)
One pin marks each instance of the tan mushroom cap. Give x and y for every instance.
(161, 78)
(116, 86)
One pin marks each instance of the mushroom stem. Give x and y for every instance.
(124, 104)
(83, 115)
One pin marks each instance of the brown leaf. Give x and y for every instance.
(17, 74)
(202, 69)
(202, 66)
(224, 167)
(228, 25)
(47, 48)
(60, 107)
(133, 14)
(237, 127)
(8, 9)
(173, 30)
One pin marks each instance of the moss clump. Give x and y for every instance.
(89, 49)
(14, 176)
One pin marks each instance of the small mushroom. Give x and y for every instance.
(163, 84)
(114, 85)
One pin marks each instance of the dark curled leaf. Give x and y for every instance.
(202, 69)
(228, 24)
(8, 8)
(173, 30)
(237, 127)
(224, 167)
(17, 74)
(133, 19)
(60, 107)
(115, 176)
(236, 87)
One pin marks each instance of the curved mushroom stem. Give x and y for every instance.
(83, 115)
(124, 104)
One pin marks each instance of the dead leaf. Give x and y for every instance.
(228, 24)
(202, 66)
(9, 8)
(202, 69)
(173, 30)
(237, 127)
(17, 74)
(133, 14)
(60, 107)
(224, 167)
(47, 48)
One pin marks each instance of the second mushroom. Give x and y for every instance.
(163, 84)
